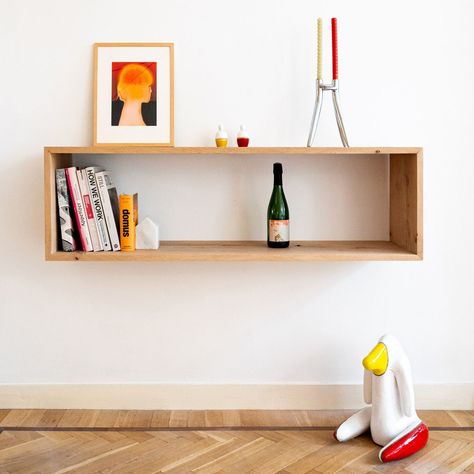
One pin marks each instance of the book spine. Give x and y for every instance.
(97, 208)
(67, 225)
(104, 181)
(128, 220)
(114, 201)
(96, 241)
(79, 210)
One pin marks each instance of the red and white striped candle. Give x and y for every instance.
(335, 59)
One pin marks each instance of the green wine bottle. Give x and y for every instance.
(278, 216)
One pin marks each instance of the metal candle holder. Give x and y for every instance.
(333, 87)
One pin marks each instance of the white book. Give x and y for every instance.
(83, 186)
(79, 211)
(97, 207)
(106, 187)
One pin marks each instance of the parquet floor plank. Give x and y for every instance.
(198, 419)
(463, 417)
(242, 460)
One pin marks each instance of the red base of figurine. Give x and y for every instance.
(243, 142)
(405, 446)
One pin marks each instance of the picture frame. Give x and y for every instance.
(133, 94)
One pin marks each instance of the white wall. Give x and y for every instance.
(407, 78)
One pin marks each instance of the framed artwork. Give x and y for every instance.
(133, 94)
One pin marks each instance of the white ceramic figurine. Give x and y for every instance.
(392, 418)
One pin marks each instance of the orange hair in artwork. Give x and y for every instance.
(134, 83)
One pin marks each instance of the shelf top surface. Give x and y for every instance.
(154, 150)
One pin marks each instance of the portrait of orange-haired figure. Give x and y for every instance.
(134, 94)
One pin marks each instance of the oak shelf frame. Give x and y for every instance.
(406, 212)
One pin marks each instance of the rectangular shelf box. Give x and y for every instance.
(405, 219)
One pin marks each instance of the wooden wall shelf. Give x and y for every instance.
(406, 212)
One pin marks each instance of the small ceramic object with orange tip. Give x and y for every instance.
(391, 416)
(243, 137)
(221, 137)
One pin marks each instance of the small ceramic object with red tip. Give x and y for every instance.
(390, 414)
(243, 137)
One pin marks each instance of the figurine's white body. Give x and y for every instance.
(389, 390)
(391, 396)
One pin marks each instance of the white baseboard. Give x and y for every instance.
(218, 396)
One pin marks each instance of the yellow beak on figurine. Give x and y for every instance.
(377, 359)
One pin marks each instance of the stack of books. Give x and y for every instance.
(90, 211)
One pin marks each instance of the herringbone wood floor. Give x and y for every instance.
(74, 448)
(235, 452)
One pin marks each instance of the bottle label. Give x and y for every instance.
(279, 231)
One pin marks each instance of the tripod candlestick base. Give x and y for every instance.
(320, 89)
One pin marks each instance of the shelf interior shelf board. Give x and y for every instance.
(251, 251)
